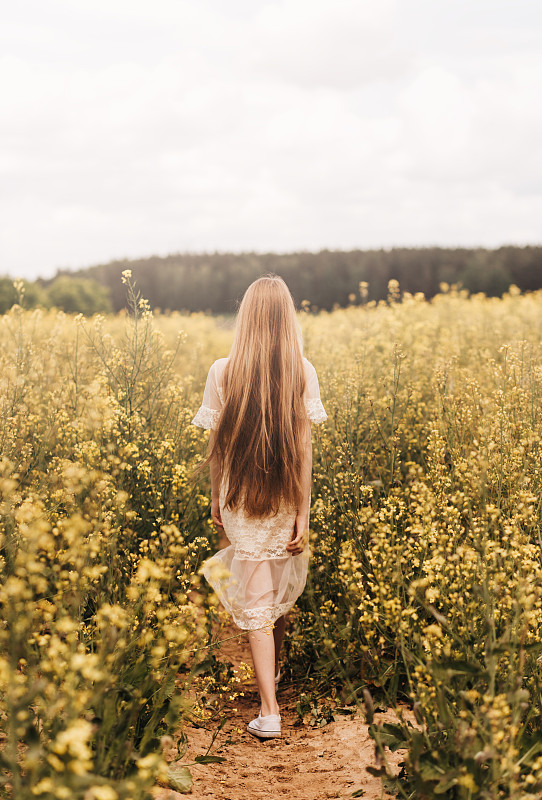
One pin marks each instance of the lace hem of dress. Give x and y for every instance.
(253, 619)
(315, 410)
(206, 418)
(262, 554)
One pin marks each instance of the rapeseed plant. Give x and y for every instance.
(425, 581)
(101, 536)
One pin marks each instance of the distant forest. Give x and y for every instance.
(215, 282)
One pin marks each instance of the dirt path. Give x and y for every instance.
(306, 763)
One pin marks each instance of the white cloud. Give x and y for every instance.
(132, 128)
(341, 45)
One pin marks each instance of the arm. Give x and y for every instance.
(215, 485)
(301, 526)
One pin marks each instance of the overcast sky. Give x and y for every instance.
(139, 127)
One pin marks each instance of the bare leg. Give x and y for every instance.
(262, 646)
(278, 636)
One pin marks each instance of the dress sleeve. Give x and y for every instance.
(209, 412)
(313, 404)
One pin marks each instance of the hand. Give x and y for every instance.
(300, 535)
(215, 514)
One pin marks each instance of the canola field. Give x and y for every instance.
(425, 586)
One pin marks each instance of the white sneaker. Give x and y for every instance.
(265, 727)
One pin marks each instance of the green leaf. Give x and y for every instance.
(358, 793)
(379, 772)
(182, 744)
(530, 747)
(458, 667)
(369, 706)
(446, 783)
(442, 706)
(431, 771)
(389, 734)
(210, 759)
(179, 778)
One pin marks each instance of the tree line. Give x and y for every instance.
(69, 293)
(215, 282)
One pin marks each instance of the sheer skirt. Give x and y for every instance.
(255, 578)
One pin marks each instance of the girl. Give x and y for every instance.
(258, 404)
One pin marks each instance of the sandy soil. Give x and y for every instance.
(306, 763)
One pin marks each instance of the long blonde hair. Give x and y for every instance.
(263, 426)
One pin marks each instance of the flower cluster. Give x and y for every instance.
(425, 582)
(103, 625)
(426, 579)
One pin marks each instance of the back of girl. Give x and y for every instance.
(258, 404)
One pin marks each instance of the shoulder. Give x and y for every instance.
(313, 404)
(217, 374)
(217, 367)
(310, 373)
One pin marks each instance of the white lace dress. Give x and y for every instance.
(255, 578)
